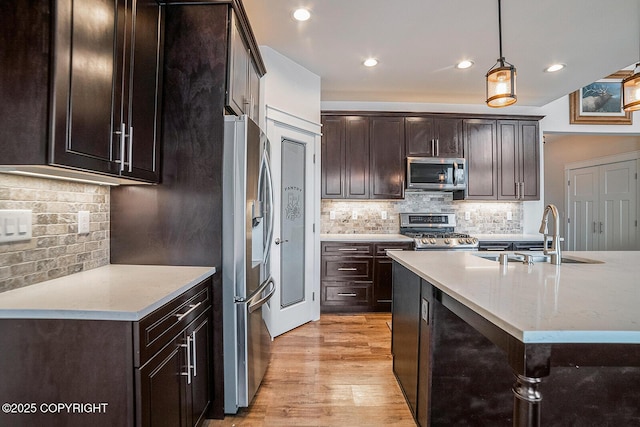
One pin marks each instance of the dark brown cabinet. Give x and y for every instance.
(382, 273)
(105, 83)
(502, 159)
(362, 157)
(151, 372)
(386, 153)
(243, 80)
(357, 276)
(518, 159)
(434, 137)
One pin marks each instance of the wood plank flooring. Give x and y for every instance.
(333, 372)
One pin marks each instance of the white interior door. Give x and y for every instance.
(296, 300)
(617, 214)
(583, 201)
(602, 207)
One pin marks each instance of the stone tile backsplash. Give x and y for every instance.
(55, 249)
(484, 218)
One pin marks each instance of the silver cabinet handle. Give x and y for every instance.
(347, 269)
(130, 148)
(279, 240)
(522, 190)
(594, 227)
(188, 347)
(347, 249)
(122, 137)
(437, 147)
(517, 190)
(600, 227)
(345, 294)
(195, 354)
(191, 308)
(433, 147)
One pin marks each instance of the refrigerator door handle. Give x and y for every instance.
(267, 173)
(258, 300)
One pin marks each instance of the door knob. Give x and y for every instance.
(279, 240)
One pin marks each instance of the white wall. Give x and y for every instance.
(289, 87)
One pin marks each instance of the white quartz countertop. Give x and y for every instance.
(113, 292)
(365, 238)
(542, 303)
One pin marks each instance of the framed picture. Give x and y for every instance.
(600, 103)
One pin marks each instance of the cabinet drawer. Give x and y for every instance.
(346, 293)
(346, 249)
(380, 249)
(347, 269)
(158, 328)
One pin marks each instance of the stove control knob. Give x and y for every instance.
(468, 241)
(474, 240)
(425, 241)
(432, 241)
(447, 241)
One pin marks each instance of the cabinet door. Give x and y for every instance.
(530, 156)
(200, 333)
(357, 157)
(238, 77)
(448, 136)
(386, 145)
(87, 83)
(254, 93)
(144, 93)
(508, 160)
(333, 157)
(382, 273)
(419, 139)
(480, 149)
(162, 393)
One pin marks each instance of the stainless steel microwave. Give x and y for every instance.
(436, 174)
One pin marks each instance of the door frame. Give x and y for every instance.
(282, 125)
(599, 161)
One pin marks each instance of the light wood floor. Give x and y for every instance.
(333, 372)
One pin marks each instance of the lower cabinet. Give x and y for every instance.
(356, 276)
(152, 372)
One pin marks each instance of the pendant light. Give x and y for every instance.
(501, 78)
(631, 91)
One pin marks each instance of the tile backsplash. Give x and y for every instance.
(484, 218)
(55, 249)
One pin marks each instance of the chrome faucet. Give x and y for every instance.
(556, 256)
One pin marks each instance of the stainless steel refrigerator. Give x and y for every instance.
(246, 241)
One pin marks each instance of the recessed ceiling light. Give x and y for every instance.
(370, 62)
(302, 14)
(555, 67)
(464, 64)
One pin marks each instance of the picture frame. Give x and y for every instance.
(600, 103)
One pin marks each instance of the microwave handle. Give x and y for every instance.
(455, 173)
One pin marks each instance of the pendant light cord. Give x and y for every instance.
(500, 32)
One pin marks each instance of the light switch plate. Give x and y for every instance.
(509, 216)
(383, 214)
(332, 214)
(84, 222)
(467, 216)
(15, 225)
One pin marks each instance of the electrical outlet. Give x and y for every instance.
(509, 216)
(84, 222)
(383, 214)
(467, 215)
(332, 214)
(354, 214)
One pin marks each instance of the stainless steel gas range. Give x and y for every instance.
(435, 231)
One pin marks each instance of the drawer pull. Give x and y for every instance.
(347, 269)
(348, 249)
(346, 294)
(191, 308)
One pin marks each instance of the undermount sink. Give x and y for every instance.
(535, 258)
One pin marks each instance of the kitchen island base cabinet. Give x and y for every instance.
(74, 372)
(468, 372)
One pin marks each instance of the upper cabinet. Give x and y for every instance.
(362, 157)
(243, 80)
(433, 137)
(105, 62)
(502, 159)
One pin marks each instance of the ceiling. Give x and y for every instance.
(418, 42)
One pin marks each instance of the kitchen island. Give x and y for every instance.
(464, 326)
(125, 345)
